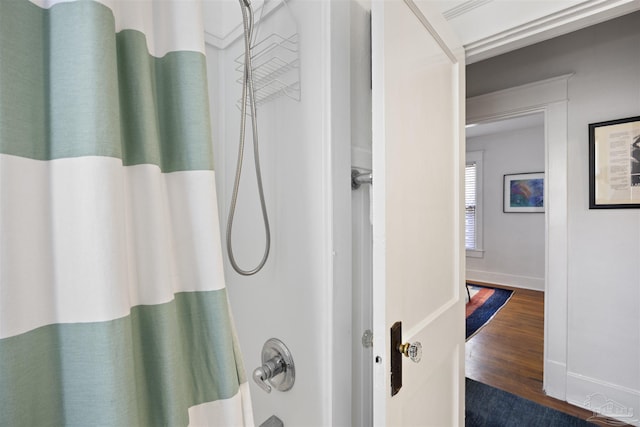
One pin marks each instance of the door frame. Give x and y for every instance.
(549, 97)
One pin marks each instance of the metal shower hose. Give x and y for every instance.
(247, 89)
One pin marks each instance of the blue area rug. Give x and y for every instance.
(488, 406)
(484, 304)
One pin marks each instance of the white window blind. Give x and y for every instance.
(470, 205)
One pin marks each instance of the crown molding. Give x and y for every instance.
(518, 100)
(463, 8)
(565, 21)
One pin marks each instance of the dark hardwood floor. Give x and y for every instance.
(508, 352)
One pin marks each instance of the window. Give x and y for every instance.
(470, 206)
(473, 204)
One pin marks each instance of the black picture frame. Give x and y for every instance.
(614, 164)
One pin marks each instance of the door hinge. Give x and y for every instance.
(367, 339)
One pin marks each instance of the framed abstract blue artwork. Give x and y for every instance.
(524, 192)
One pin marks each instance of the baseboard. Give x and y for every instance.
(524, 282)
(606, 399)
(555, 379)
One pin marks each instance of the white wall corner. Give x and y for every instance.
(221, 36)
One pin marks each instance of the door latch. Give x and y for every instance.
(413, 351)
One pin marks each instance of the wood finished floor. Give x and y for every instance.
(507, 353)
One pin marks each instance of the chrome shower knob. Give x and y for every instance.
(269, 369)
(277, 370)
(413, 351)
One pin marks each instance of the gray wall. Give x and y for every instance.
(603, 309)
(513, 243)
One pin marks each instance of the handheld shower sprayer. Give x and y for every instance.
(248, 92)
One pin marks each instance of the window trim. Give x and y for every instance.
(477, 158)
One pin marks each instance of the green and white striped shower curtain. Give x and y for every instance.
(113, 309)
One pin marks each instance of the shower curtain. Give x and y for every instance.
(113, 309)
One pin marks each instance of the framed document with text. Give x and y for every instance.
(614, 164)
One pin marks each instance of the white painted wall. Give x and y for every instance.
(603, 300)
(513, 243)
(303, 294)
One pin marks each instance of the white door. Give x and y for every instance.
(418, 250)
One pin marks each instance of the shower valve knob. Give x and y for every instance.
(268, 370)
(277, 368)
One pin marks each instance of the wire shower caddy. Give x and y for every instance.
(276, 66)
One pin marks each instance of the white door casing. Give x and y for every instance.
(551, 97)
(417, 210)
